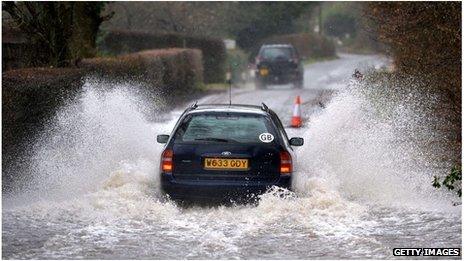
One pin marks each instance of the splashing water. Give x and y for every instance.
(367, 155)
(88, 139)
(93, 192)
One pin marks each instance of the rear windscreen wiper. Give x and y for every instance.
(213, 139)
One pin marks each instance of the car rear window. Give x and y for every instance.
(275, 52)
(242, 128)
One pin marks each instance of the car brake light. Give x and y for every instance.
(286, 166)
(166, 160)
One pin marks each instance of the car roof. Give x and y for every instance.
(236, 108)
(277, 45)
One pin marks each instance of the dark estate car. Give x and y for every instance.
(278, 64)
(226, 152)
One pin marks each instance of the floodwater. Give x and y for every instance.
(90, 188)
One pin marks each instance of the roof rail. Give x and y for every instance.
(194, 105)
(264, 107)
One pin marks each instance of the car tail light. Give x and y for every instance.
(166, 160)
(286, 166)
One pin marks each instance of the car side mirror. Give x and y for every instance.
(163, 138)
(296, 141)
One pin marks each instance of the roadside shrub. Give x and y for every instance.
(169, 72)
(452, 181)
(339, 24)
(17, 51)
(213, 50)
(424, 39)
(17, 55)
(345, 22)
(308, 45)
(341, 19)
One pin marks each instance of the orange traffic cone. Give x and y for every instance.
(296, 118)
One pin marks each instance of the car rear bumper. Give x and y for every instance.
(218, 189)
(279, 78)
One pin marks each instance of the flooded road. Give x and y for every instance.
(92, 190)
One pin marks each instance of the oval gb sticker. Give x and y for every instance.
(266, 137)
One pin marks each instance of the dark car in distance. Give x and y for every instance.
(226, 153)
(278, 64)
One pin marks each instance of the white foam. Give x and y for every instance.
(363, 154)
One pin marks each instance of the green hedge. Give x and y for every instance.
(169, 72)
(214, 52)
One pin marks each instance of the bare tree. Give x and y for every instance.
(63, 31)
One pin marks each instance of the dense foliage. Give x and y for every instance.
(425, 39)
(181, 17)
(308, 45)
(60, 32)
(452, 181)
(346, 22)
(168, 73)
(340, 23)
(247, 22)
(250, 22)
(117, 42)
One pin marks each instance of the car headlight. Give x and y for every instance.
(263, 71)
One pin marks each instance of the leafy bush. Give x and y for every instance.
(169, 72)
(214, 52)
(251, 22)
(340, 24)
(341, 18)
(452, 181)
(425, 39)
